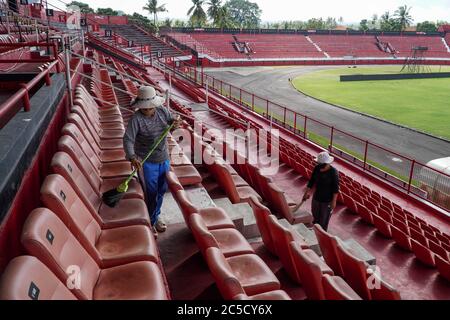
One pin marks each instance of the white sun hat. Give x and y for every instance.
(324, 158)
(147, 99)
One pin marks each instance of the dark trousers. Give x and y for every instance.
(322, 213)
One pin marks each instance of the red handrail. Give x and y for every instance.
(23, 94)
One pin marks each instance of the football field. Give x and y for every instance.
(420, 104)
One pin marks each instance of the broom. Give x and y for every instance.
(112, 197)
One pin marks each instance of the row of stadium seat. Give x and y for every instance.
(111, 250)
(428, 243)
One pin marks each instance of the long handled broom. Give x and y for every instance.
(112, 197)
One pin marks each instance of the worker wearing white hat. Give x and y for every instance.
(147, 124)
(325, 180)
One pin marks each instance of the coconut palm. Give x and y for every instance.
(214, 9)
(403, 17)
(153, 7)
(218, 13)
(198, 15)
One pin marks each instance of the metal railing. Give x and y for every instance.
(410, 175)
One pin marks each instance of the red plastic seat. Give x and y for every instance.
(61, 252)
(310, 270)
(97, 130)
(56, 190)
(129, 211)
(328, 246)
(246, 273)
(230, 241)
(26, 278)
(282, 238)
(225, 180)
(283, 205)
(355, 272)
(443, 266)
(173, 182)
(107, 170)
(90, 148)
(103, 144)
(336, 288)
(262, 214)
(93, 119)
(401, 238)
(385, 292)
(214, 217)
(266, 296)
(422, 253)
(364, 213)
(187, 175)
(108, 248)
(382, 226)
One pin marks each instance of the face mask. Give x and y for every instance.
(322, 166)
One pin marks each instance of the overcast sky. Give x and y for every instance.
(277, 10)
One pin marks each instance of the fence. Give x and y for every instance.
(408, 174)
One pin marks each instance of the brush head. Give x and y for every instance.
(112, 197)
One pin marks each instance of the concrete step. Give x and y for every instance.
(304, 232)
(240, 212)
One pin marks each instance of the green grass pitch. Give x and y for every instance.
(420, 104)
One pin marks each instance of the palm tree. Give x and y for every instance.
(214, 9)
(153, 7)
(403, 17)
(198, 15)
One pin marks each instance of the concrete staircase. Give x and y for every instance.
(317, 47)
(445, 44)
(139, 37)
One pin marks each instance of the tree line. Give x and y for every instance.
(246, 14)
(399, 21)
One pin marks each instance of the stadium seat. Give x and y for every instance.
(382, 226)
(173, 182)
(336, 288)
(214, 217)
(282, 238)
(262, 214)
(355, 272)
(364, 213)
(230, 241)
(384, 292)
(270, 295)
(102, 144)
(401, 238)
(94, 121)
(310, 270)
(129, 211)
(93, 175)
(247, 272)
(424, 254)
(61, 252)
(235, 194)
(107, 170)
(328, 246)
(109, 247)
(281, 204)
(443, 266)
(56, 190)
(187, 175)
(90, 148)
(27, 278)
